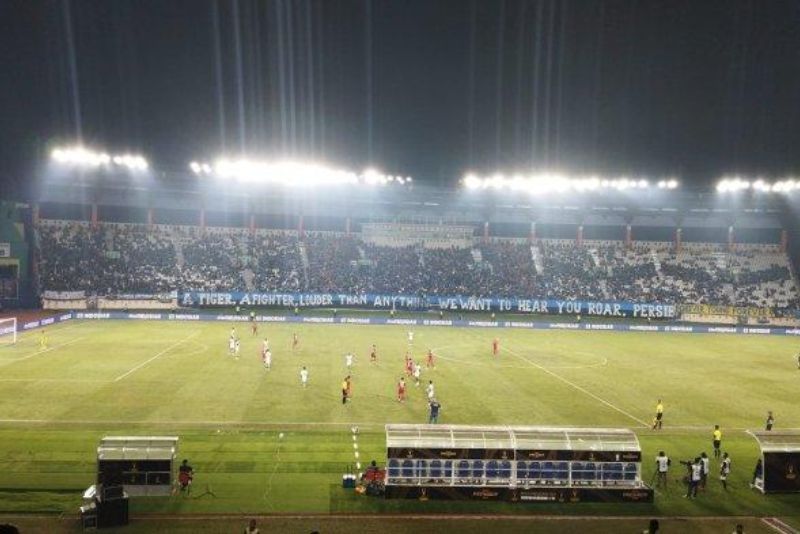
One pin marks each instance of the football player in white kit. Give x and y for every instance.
(662, 468)
(348, 360)
(304, 376)
(417, 372)
(267, 360)
(429, 390)
(410, 337)
(232, 341)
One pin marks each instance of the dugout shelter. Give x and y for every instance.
(143, 465)
(779, 451)
(517, 464)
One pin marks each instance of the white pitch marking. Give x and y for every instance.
(778, 526)
(176, 344)
(78, 380)
(249, 424)
(576, 386)
(602, 363)
(42, 351)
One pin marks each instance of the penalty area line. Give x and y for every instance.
(174, 345)
(40, 351)
(576, 386)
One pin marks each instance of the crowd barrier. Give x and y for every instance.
(408, 322)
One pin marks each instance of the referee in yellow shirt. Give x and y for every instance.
(42, 340)
(345, 387)
(657, 421)
(717, 441)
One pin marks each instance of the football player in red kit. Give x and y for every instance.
(495, 347)
(430, 363)
(401, 390)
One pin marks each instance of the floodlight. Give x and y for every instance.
(472, 182)
(761, 186)
(81, 156)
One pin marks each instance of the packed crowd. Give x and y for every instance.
(225, 261)
(128, 258)
(107, 259)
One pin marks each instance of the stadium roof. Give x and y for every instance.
(510, 437)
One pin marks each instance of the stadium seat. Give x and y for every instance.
(477, 469)
(463, 471)
(435, 469)
(612, 472)
(535, 471)
(408, 469)
(491, 469)
(522, 470)
(590, 470)
(561, 472)
(421, 469)
(577, 471)
(394, 468)
(505, 469)
(630, 472)
(548, 471)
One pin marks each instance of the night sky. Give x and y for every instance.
(428, 88)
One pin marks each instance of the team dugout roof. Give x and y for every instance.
(137, 448)
(510, 437)
(777, 440)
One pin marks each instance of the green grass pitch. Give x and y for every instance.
(109, 378)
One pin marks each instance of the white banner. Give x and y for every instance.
(64, 295)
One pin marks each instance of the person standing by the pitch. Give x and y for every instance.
(658, 420)
(717, 441)
(693, 478)
(725, 470)
(705, 469)
(433, 417)
(345, 388)
(662, 468)
(770, 421)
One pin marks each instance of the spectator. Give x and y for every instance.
(251, 528)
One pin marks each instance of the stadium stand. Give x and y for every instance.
(124, 258)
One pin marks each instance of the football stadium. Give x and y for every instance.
(302, 266)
